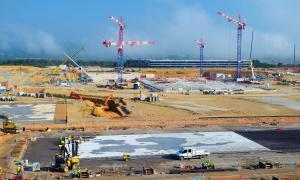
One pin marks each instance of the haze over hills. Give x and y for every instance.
(46, 29)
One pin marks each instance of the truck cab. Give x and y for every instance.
(190, 152)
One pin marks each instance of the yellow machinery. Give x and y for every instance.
(9, 126)
(109, 103)
(208, 164)
(65, 160)
(125, 157)
(58, 68)
(64, 163)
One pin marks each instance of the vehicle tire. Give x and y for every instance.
(181, 158)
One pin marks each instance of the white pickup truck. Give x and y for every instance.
(190, 152)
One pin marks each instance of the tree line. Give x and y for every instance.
(55, 62)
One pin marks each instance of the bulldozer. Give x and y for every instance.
(126, 157)
(9, 126)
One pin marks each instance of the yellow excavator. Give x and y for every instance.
(9, 126)
(65, 163)
(65, 160)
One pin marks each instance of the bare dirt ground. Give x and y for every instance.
(175, 112)
(60, 112)
(178, 106)
(175, 109)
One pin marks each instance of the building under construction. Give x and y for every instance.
(186, 63)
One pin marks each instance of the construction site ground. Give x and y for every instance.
(287, 153)
(280, 139)
(179, 106)
(175, 112)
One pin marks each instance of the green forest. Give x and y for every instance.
(55, 62)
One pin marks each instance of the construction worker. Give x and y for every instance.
(1, 170)
(78, 173)
(62, 141)
(74, 167)
(31, 139)
(70, 138)
(19, 169)
(68, 163)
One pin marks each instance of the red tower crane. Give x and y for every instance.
(241, 26)
(200, 42)
(120, 43)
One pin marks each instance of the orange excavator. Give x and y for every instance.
(75, 95)
(109, 104)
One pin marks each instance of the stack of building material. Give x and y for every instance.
(153, 97)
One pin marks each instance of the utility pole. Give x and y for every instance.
(250, 59)
(251, 45)
(295, 56)
(66, 103)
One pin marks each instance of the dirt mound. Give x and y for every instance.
(89, 104)
(100, 112)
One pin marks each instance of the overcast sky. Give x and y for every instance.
(37, 28)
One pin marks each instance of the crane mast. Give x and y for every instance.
(120, 43)
(240, 27)
(200, 42)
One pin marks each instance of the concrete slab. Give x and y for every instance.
(278, 101)
(176, 84)
(160, 144)
(104, 77)
(29, 111)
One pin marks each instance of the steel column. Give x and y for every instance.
(239, 52)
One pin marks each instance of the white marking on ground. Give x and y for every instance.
(29, 111)
(45, 111)
(168, 143)
(194, 106)
(278, 101)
